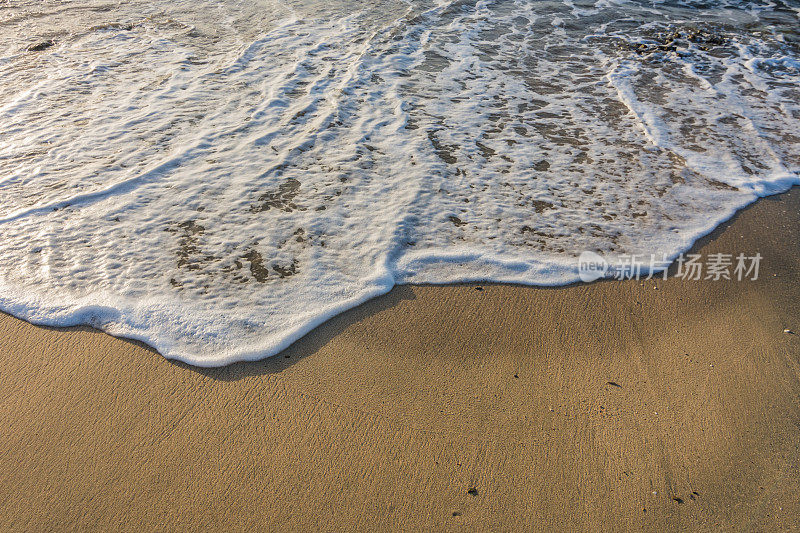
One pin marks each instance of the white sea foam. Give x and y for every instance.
(218, 178)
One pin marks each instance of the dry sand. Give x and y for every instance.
(436, 407)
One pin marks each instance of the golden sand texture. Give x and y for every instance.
(609, 406)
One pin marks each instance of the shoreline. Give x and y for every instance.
(254, 355)
(604, 405)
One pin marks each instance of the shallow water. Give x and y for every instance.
(217, 178)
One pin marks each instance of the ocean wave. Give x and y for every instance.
(216, 179)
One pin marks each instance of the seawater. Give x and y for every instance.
(216, 178)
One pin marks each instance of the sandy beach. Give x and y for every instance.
(652, 405)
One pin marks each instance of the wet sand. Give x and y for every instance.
(653, 405)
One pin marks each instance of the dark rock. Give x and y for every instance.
(44, 45)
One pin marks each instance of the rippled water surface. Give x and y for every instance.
(217, 178)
